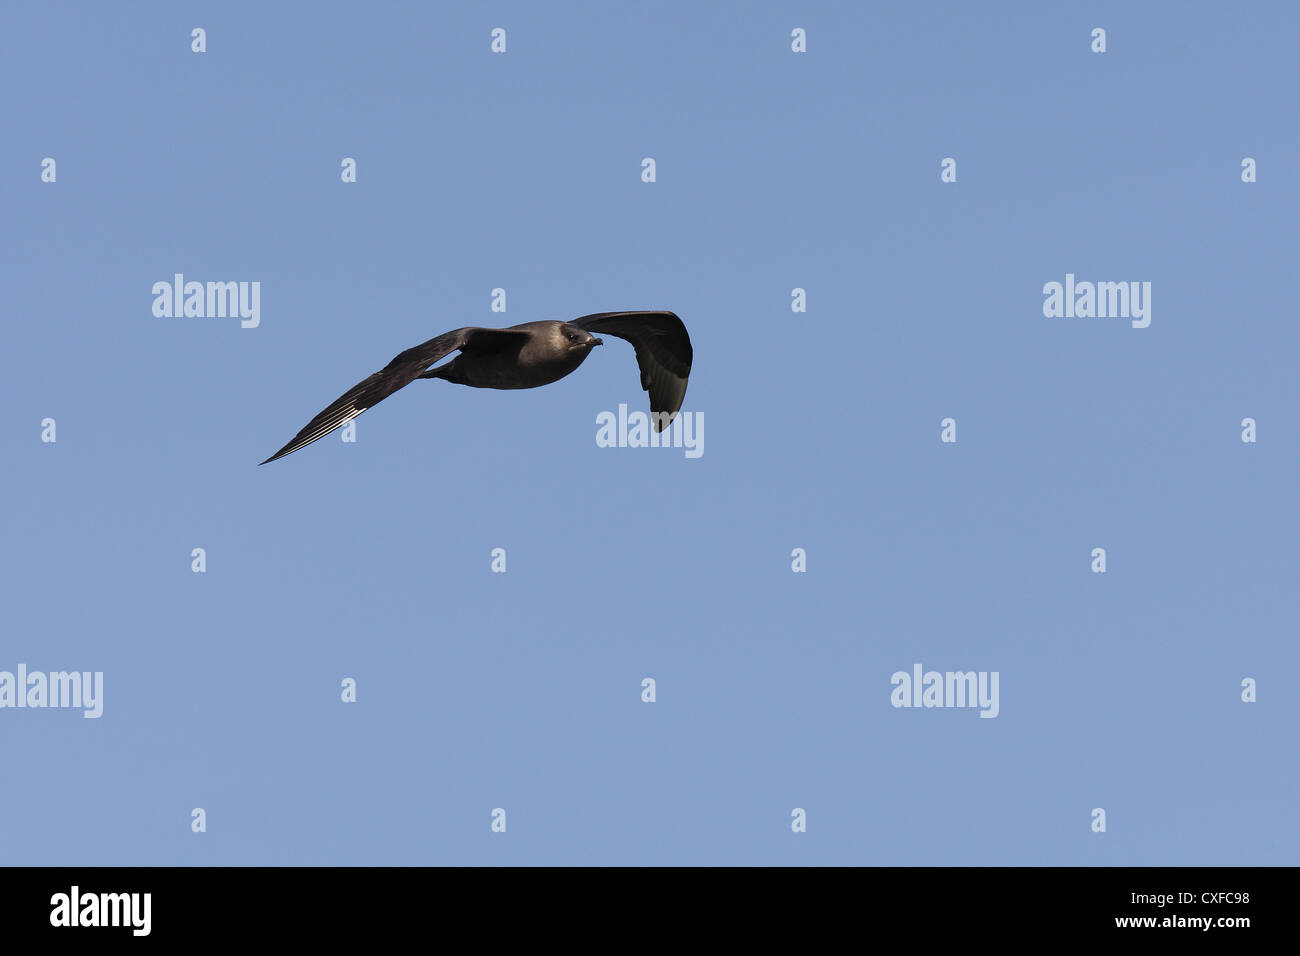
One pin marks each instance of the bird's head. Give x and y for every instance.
(575, 338)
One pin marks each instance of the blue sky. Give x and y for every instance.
(774, 171)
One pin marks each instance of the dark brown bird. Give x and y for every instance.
(524, 356)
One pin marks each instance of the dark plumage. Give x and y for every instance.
(524, 356)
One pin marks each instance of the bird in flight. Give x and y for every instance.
(524, 356)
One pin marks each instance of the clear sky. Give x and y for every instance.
(522, 690)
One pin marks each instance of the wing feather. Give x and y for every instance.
(400, 372)
(663, 354)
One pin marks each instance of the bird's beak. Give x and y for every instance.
(595, 342)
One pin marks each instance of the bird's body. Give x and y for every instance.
(524, 356)
(539, 357)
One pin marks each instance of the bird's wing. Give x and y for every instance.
(663, 352)
(402, 370)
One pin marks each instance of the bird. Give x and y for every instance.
(523, 356)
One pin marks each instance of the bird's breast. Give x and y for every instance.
(514, 371)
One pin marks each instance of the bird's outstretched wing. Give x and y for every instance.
(663, 352)
(402, 370)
